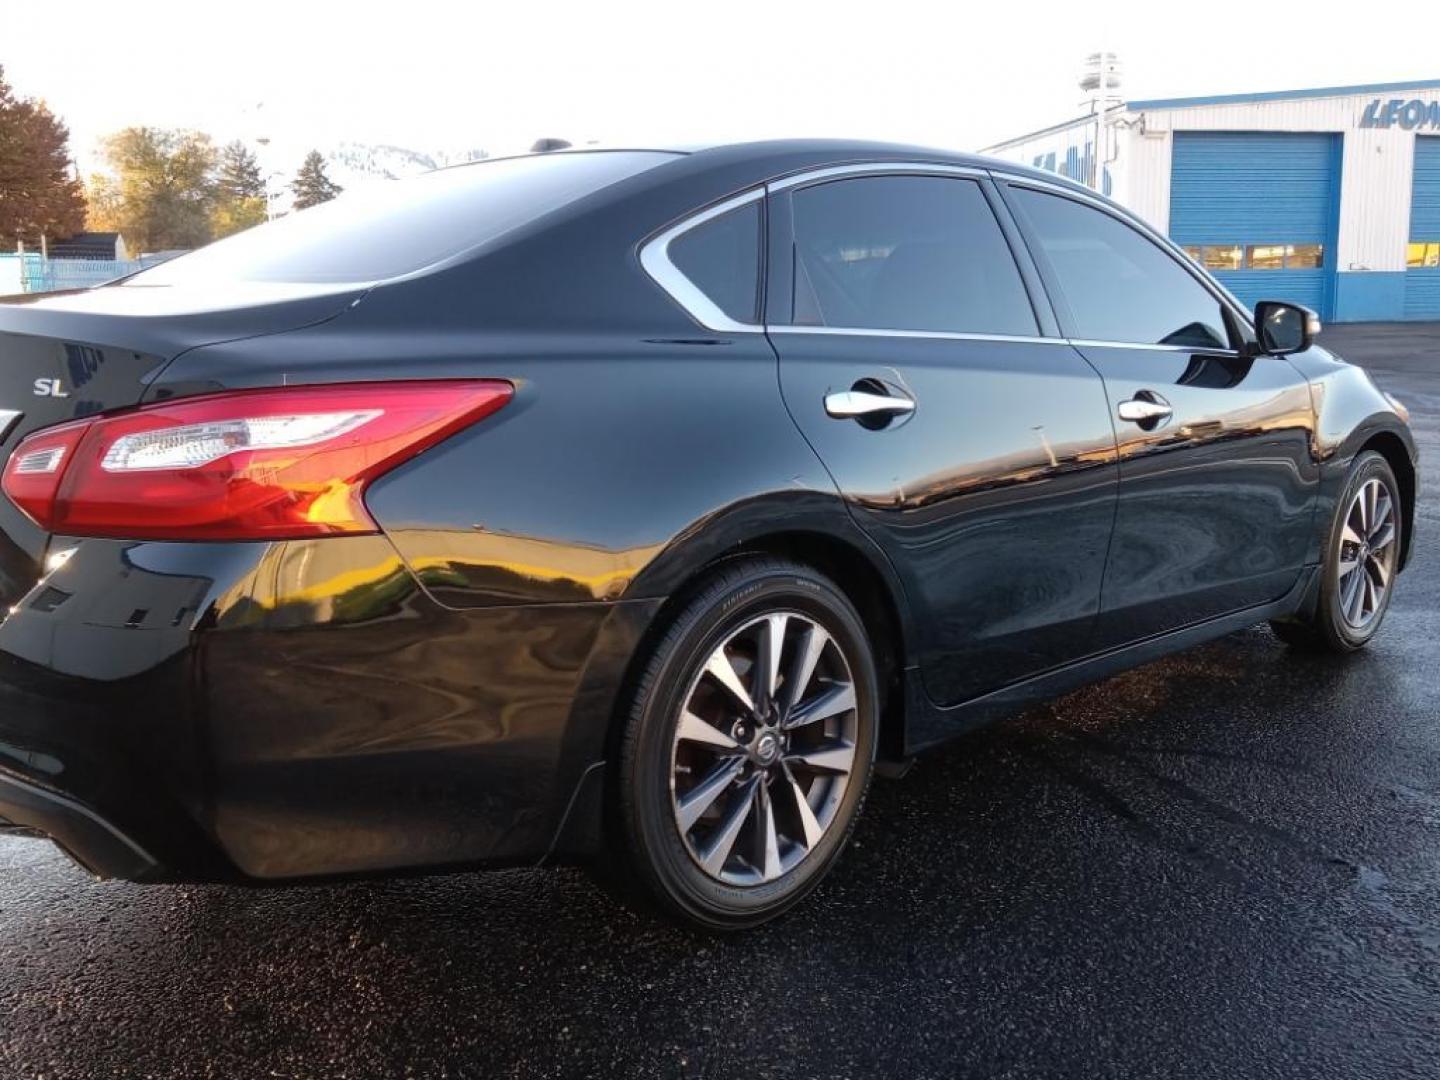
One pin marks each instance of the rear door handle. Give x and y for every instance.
(1146, 407)
(849, 404)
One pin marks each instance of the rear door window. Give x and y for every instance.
(921, 253)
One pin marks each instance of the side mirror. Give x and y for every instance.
(1285, 328)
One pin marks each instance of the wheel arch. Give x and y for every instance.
(858, 570)
(1392, 448)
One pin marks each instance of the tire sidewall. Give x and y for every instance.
(702, 628)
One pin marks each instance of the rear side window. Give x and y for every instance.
(396, 227)
(905, 253)
(721, 257)
(1118, 284)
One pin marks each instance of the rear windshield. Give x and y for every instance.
(396, 227)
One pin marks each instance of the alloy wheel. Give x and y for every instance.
(1366, 563)
(764, 749)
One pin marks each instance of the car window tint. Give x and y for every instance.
(394, 227)
(722, 258)
(905, 253)
(1118, 284)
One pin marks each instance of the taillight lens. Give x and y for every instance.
(250, 465)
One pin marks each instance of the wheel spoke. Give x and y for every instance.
(771, 856)
(832, 701)
(1347, 567)
(1383, 510)
(723, 672)
(767, 660)
(1378, 571)
(1384, 537)
(714, 855)
(806, 659)
(702, 796)
(693, 729)
(1349, 535)
(1372, 499)
(1353, 598)
(808, 824)
(834, 758)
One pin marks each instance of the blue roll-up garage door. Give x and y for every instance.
(1422, 263)
(1260, 210)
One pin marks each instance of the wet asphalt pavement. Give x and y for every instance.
(1225, 864)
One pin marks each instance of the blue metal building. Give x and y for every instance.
(1329, 196)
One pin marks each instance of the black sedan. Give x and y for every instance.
(635, 507)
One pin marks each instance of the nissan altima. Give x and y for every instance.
(635, 507)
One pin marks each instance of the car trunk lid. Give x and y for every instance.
(64, 356)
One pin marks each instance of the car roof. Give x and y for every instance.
(770, 158)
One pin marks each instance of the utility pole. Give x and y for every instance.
(1101, 80)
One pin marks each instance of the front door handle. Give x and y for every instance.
(1145, 408)
(849, 404)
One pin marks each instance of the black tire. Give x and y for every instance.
(1328, 629)
(653, 856)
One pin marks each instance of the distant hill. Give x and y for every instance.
(352, 163)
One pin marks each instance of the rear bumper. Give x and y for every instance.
(95, 843)
(269, 712)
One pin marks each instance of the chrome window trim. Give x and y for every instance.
(655, 259)
(872, 168)
(1208, 350)
(943, 335)
(1084, 195)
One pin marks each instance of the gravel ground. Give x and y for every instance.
(1224, 864)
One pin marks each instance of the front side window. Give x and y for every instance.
(905, 253)
(1117, 283)
(721, 257)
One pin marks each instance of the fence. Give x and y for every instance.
(32, 272)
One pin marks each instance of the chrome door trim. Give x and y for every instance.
(1208, 350)
(944, 335)
(655, 258)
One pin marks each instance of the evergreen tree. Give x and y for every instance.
(239, 175)
(39, 195)
(162, 191)
(311, 186)
(239, 191)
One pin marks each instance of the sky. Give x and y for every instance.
(429, 75)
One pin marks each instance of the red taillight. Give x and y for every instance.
(250, 465)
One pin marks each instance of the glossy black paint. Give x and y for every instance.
(443, 693)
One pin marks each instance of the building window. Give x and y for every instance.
(1423, 254)
(1223, 257)
(1265, 256)
(1260, 256)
